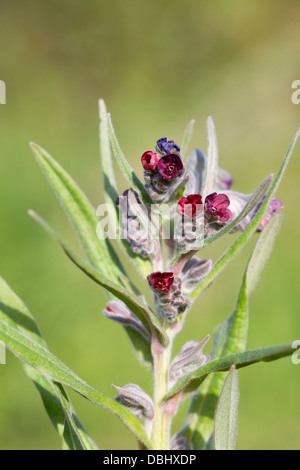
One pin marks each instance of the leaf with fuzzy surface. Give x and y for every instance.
(188, 384)
(52, 368)
(57, 405)
(250, 230)
(127, 170)
(187, 137)
(82, 215)
(226, 418)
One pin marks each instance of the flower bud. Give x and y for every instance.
(135, 400)
(163, 175)
(224, 179)
(149, 161)
(192, 272)
(118, 312)
(188, 360)
(196, 170)
(274, 206)
(165, 146)
(168, 299)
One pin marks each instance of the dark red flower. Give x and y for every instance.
(190, 206)
(149, 161)
(161, 282)
(170, 166)
(216, 205)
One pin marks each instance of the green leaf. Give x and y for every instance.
(212, 164)
(191, 382)
(51, 367)
(262, 251)
(226, 418)
(127, 170)
(82, 215)
(255, 198)
(250, 230)
(229, 338)
(59, 409)
(187, 137)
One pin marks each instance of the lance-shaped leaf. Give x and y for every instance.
(229, 338)
(82, 215)
(195, 167)
(250, 230)
(139, 308)
(226, 418)
(187, 137)
(254, 200)
(212, 164)
(127, 170)
(51, 367)
(144, 266)
(57, 405)
(190, 383)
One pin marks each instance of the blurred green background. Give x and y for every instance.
(157, 64)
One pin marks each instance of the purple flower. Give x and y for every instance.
(167, 146)
(216, 206)
(170, 166)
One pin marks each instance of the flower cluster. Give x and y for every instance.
(168, 298)
(164, 171)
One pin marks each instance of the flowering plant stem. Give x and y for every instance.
(170, 182)
(162, 417)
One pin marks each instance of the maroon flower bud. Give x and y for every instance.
(216, 207)
(190, 206)
(149, 161)
(161, 282)
(170, 166)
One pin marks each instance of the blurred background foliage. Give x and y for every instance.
(157, 64)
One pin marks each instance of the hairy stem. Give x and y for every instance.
(162, 417)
